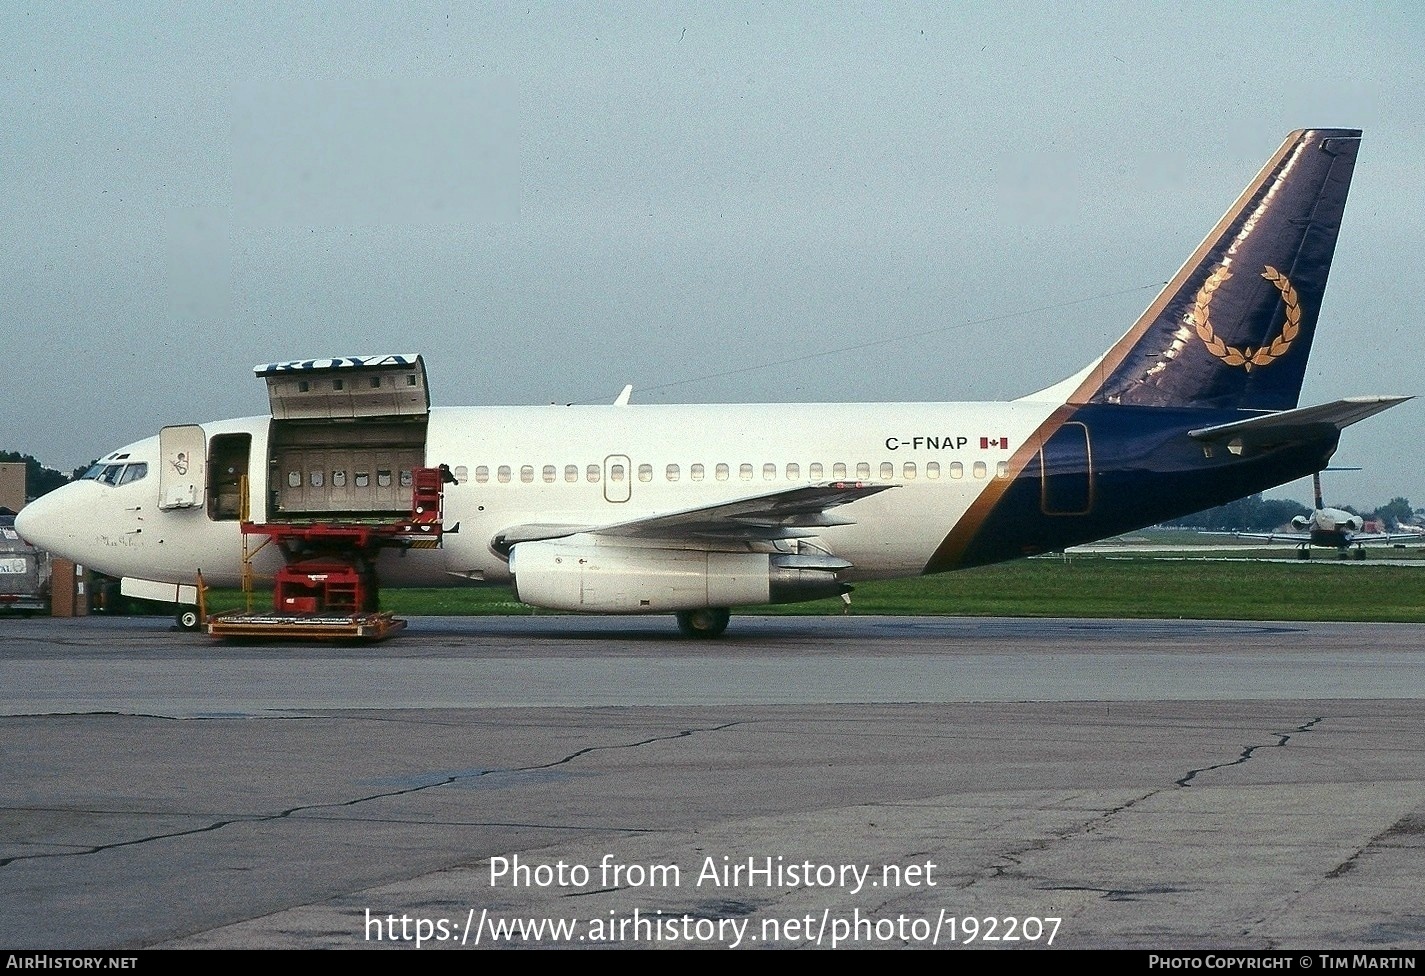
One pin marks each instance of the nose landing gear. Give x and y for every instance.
(705, 622)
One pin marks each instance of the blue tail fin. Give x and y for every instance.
(1234, 326)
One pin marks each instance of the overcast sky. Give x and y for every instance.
(713, 202)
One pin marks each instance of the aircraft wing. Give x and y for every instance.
(1272, 536)
(787, 514)
(1380, 538)
(1304, 423)
(1354, 539)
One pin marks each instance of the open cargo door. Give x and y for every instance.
(347, 435)
(347, 388)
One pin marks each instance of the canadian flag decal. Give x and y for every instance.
(988, 442)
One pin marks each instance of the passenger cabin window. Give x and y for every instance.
(571, 473)
(981, 469)
(593, 474)
(722, 472)
(482, 474)
(888, 470)
(616, 473)
(932, 470)
(502, 474)
(671, 473)
(908, 471)
(794, 471)
(550, 474)
(645, 472)
(863, 470)
(838, 470)
(815, 471)
(696, 472)
(957, 470)
(527, 474)
(1002, 469)
(744, 471)
(769, 472)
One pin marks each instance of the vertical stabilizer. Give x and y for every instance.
(1234, 326)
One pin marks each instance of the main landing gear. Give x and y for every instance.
(706, 622)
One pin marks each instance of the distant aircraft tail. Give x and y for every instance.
(1234, 326)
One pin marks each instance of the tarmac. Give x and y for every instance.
(805, 782)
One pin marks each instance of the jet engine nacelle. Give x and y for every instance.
(1302, 523)
(586, 577)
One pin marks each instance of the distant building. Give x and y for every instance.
(12, 485)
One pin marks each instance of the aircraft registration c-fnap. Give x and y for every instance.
(694, 510)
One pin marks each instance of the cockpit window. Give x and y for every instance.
(116, 474)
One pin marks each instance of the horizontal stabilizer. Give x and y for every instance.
(1295, 425)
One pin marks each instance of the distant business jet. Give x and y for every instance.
(1330, 528)
(693, 510)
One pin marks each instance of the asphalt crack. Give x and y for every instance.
(346, 804)
(1248, 752)
(1410, 824)
(1010, 861)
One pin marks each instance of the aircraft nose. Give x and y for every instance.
(42, 522)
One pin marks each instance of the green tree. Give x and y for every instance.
(1250, 514)
(1395, 511)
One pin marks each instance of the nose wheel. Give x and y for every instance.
(188, 618)
(706, 622)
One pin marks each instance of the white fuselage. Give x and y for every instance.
(589, 466)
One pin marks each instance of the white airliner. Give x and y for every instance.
(693, 510)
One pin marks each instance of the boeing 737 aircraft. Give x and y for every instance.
(693, 510)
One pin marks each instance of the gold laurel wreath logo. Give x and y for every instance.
(1248, 357)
